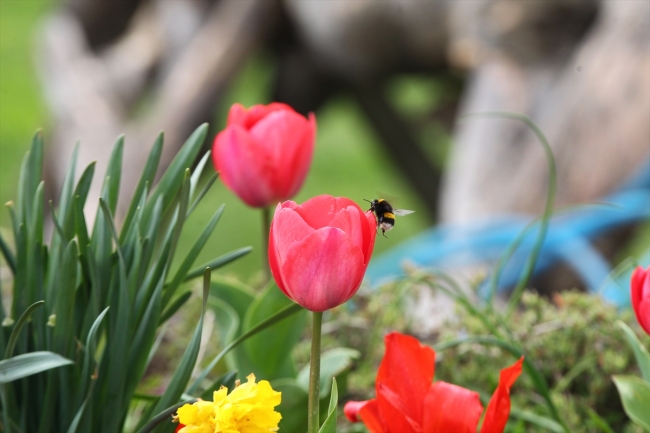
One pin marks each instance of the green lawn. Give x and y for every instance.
(349, 160)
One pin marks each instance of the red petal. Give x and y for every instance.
(640, 294)
(323, 270)
(179, 427)
(396, 413)
(371, 230)
(274, 262)
(349, 221)
(372, 419)
(244, 166)
(451, 408)
(352, 408)
(498, 411)
(407, 370)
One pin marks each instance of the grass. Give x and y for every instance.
(349, 159)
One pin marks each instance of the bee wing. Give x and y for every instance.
(402, 212)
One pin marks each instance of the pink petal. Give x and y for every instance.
(640, 294)
(288, 228)
(247, 118)
(320, 210)
(451, 408)
(284, 134)
(498, 411)
(349, 221)
(323, 270)
(243, 166)
(300, 162)
(274, 262)
(371, 231)
(407, 369)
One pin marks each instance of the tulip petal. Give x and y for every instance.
(407, 369)
(284, 134)
(274, 262)
(369, 243)
(640, 294)
(320, 210)
(352, 408)
(372, 419)
(396, 412)
(349, 221)
(323, 270)
(289, 228)
(244, 167)
(451, 408)
(498, 411)
(247, 118)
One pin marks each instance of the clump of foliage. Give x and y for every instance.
(572, 340)
(88, 304)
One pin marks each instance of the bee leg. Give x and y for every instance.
(383, 232)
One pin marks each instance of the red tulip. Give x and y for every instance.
(265, 152)
(640, 294)
(319, 251)
(179, 427)
(408, 402)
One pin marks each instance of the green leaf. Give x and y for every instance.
(329, 426)
(24, 365)
(19, 326)
(541, 421)
(218, 262)
(640, 352)
(269, 321)
(599, 421)
(163, 416)
(635, 395)
(196, 175)
(228, 380)
(203, 192)
(182, 374)
(264, 354)
(8, 255)
(194, 252)
(173, 177)
(114, 174)
(333, 362)
(293, 406)
(174, 306)
(146, 178)
(233, 292)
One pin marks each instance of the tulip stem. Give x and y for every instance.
(266, 228)
(314, 374)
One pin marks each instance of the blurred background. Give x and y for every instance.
(387, 81)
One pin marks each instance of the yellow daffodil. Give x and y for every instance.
(249, 408)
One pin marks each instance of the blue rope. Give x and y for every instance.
(568, 239)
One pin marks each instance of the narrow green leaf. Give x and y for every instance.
(29, 178)
(329, 426)
(146, 179)
(163, 416)
(183, 372)
(538, 420)
(19, 326)
(194, 252)
(194, 181)
(64, 302)
(8, 255)
(635, 396)
(218, 262)
(287, 311)
(203, 192)
(599, 421)
(114, 174)
(640, 352)
(172, 180)
(227, 380)
(27, 364)
(174, 306)
(89, 361)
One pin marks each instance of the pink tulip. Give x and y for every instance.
(319, 251)
(265, 152)
(640, 293)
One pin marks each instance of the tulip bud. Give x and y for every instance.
(265, 152)
(640, 294)
(319, 251)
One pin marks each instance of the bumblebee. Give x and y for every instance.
(385, 214)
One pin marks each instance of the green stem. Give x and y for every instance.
(314, 375)
(266, 229)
